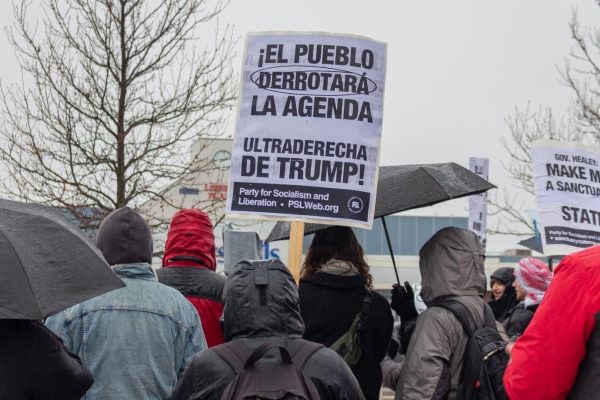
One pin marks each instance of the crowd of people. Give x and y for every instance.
(188, 332)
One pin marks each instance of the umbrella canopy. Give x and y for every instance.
(46, 263)
(404, 187)
(533, 243)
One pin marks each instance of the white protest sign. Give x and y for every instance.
(567, 185)
(478, 202)
(306, 145)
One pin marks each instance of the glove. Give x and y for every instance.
(403, 302)
(393, 348)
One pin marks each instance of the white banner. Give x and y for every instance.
(306, 145)
(478, 202)
(567, 185)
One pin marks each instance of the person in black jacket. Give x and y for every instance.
(503, 292)
(34, 364)
(335, 279)
(261, 305)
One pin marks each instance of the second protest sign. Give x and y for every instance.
(309, 127)
(567, 185)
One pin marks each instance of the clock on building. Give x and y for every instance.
(222, 159)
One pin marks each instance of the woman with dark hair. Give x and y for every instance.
(336, 299)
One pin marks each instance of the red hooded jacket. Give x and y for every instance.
(189, 266)
(558, 355)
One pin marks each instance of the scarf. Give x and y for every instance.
(339, 267)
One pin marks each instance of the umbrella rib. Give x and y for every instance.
(20, 312)
(435, 180)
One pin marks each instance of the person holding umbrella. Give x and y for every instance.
(42, 257)
(138, 340)
(451, 266)
(36, 365)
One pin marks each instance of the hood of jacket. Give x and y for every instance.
(125, 238)
(504, 275)
(451, 264)
(261, 300)
(190, 241)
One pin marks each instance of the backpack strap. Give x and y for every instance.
(461, 313)
(465, 317)
(488, 317)
(263, 349)
(301, 350)
(365, 309)
(234, 354)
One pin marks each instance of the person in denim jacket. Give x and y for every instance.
(137, 340)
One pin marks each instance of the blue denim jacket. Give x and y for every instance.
(137, 341)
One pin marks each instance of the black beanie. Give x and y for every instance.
(125, 238)
(504, 275)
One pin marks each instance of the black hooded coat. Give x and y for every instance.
(329, 304)
(34, 364)
(254, 316)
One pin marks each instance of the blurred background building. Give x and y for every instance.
(208, 191)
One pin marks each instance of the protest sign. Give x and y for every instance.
(567, 185)
(478, 202)
(307, 137)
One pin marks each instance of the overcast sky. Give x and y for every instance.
(455, 71)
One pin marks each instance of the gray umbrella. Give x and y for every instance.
(47, 263)
(404, 187)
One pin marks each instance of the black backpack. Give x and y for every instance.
(279, 380)
(484, 360)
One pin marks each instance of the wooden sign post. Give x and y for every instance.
(295, 248)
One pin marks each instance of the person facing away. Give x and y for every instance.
(35, 365)
(136, 340)
(261, 306)
(558, 356)
(451, 265)
(504, 297)
(189, 265)
(532, 278)
(335, 280)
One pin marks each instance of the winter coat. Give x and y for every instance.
(451, 265)
(558, 356)
(508, 301)
(34, 364)
(137, 340)
(189, 266)
(255, 315)
(519, 318)
(328, 305)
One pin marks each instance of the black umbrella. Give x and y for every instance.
(405, 187)
(47, 263)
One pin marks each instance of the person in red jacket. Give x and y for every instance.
(558, 356)
(189, 265)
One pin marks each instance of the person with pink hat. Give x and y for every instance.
(532, 278)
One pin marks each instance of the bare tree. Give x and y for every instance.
(113, 94)
(581, 74)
